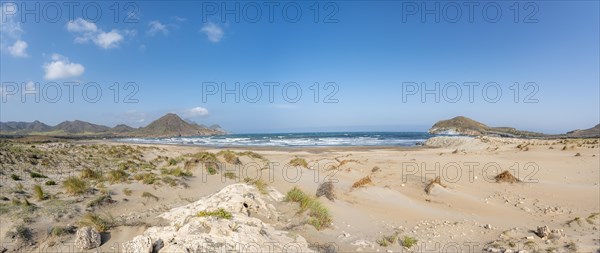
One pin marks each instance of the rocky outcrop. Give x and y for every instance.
(139, 244)
(237, 218)
(464, 126)
(87, 238)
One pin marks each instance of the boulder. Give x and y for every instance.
(139, 244)
(87, 238)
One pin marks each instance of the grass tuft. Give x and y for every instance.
(148, 195)
(75, 186)
(101, 224)
(37, 175)
(299, 162)
(38, 192)
(319, 215)
(506, 177)
(230, 156)
(219, 213)
(408, 241)
(117, 176)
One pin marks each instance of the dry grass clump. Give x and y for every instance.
(577, 220)
(252, 155)
(260, 184)
(38, 192)
(101, 224)
(117, 176)
(75, 186)
(127, 191)
(230, 156)
(37, 175)
(506, 177)
(408, 241)
(101, 200)
(362, 182)
(590, 219)
(88, 173)
(146, 178)
(299, 162)
(50, 182)
(326, 189)
(229, 175)
(319, 215)
(219, 213)
(177, 172)
(578, 154)
(437, 180)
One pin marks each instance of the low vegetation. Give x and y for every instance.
(38, 192)
(75, 186)
(299, 162)
(117, 176)
(88, 173)
(127, 191)
(326, 189)
(37, 175)
(362, 182)
(230, 156)
(177, 172)
(408, 241)
(436, 181)
(50, 182)
(319, 215)
(229, 175)
(388, 240)
(219, 213)
(506, 177)
(101, 224)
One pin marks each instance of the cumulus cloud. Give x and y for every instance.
(157, 27)
(11, 31)
(61, 68)
(213, 31)
(86, 31)
(196, 112)
(18, 49)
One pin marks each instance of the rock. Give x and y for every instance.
(87, 238)
(487, 226)
(139, 244)
(543, 232)
(188, 232)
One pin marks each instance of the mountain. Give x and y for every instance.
(465, 126)
(593, 132)
(122, 128)
(78, 126)
(173, 125)
(35, 126)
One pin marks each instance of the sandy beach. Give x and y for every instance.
(384, 199)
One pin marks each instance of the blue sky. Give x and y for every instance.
(366, 50)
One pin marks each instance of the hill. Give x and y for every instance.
(466, 126)
(593, 132)
(173, 125)
(78, 126)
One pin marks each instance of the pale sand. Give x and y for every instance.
(558, 187)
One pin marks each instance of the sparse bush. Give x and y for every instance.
(22, 232)
(15, 177)
(578, 154)
(169, 181)
(408, 241)
(211, 170)
(50, 182)
(388, 240)
(36, 175)
(326, 189)
(590, 219)
(252, 154)
(148, 195)
(146, 178)
(219, 213)
(117, 176)
(299, 162)
(178, 172)
(38, 192)
(101, 224)
(362, 182)
(319, 215)
(261, 185)
(75, 186)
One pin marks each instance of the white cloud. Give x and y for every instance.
(179, 19)
(60, 68)
(30, 88)
(213, 32)
(157, 27)
(11, 31)
(81, 26)
(196, 112)
(18, 49)
(108, 40)
(86, 31)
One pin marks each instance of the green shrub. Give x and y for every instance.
(230, 175)
(211, 170)
(408, 241)
(229, 156)
(219, 213)
(15, 177)
(319, 215)
(50, 182)
(36, 175)
(75, 186)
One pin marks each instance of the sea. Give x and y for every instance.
(329, 139)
